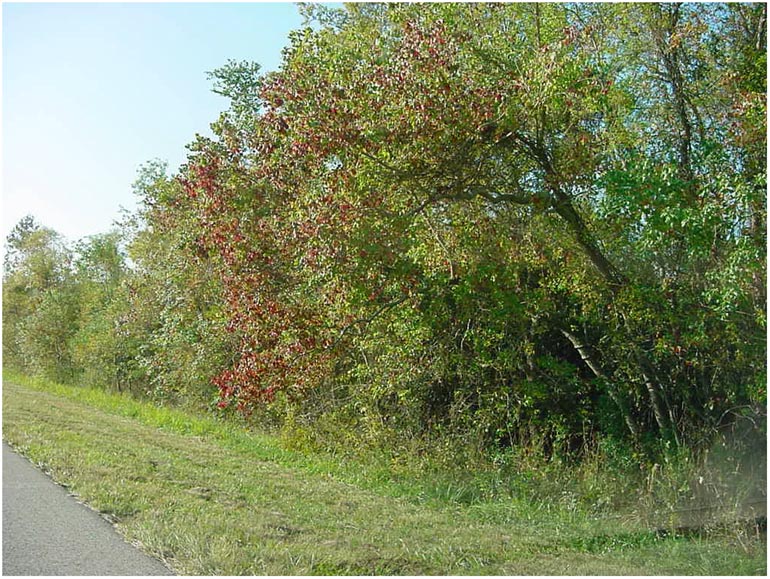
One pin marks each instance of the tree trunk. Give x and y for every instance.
(616, 281)
(670, 55)
(612, 391)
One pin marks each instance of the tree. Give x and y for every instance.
(98, 352)
(482, 217)
(39, 301)
(171, 314)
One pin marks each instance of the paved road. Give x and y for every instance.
(47, 532)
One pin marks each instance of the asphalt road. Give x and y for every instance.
(47, 532)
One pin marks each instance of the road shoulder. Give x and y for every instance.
(47, 532)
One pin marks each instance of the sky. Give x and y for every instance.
(90, 92)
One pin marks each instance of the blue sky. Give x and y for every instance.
(92, 91)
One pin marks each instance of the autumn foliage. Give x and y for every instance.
(485, 218)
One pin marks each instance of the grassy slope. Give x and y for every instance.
(211, 499)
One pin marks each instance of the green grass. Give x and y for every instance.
(209, 497)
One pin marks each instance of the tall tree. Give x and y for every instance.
(409, 164)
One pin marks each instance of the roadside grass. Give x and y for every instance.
(209, 497)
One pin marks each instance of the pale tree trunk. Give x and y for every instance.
(616, 281)
(612, 390)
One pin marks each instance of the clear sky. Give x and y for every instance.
(92, 91)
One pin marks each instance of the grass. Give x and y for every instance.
(210, 498)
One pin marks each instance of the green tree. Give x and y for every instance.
(39, 301)
(98, 351)
(171, 313)
(582, 157)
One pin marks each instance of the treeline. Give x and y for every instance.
(485, 222)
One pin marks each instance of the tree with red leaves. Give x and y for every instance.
(502, 212)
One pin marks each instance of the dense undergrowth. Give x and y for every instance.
(726, 486)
